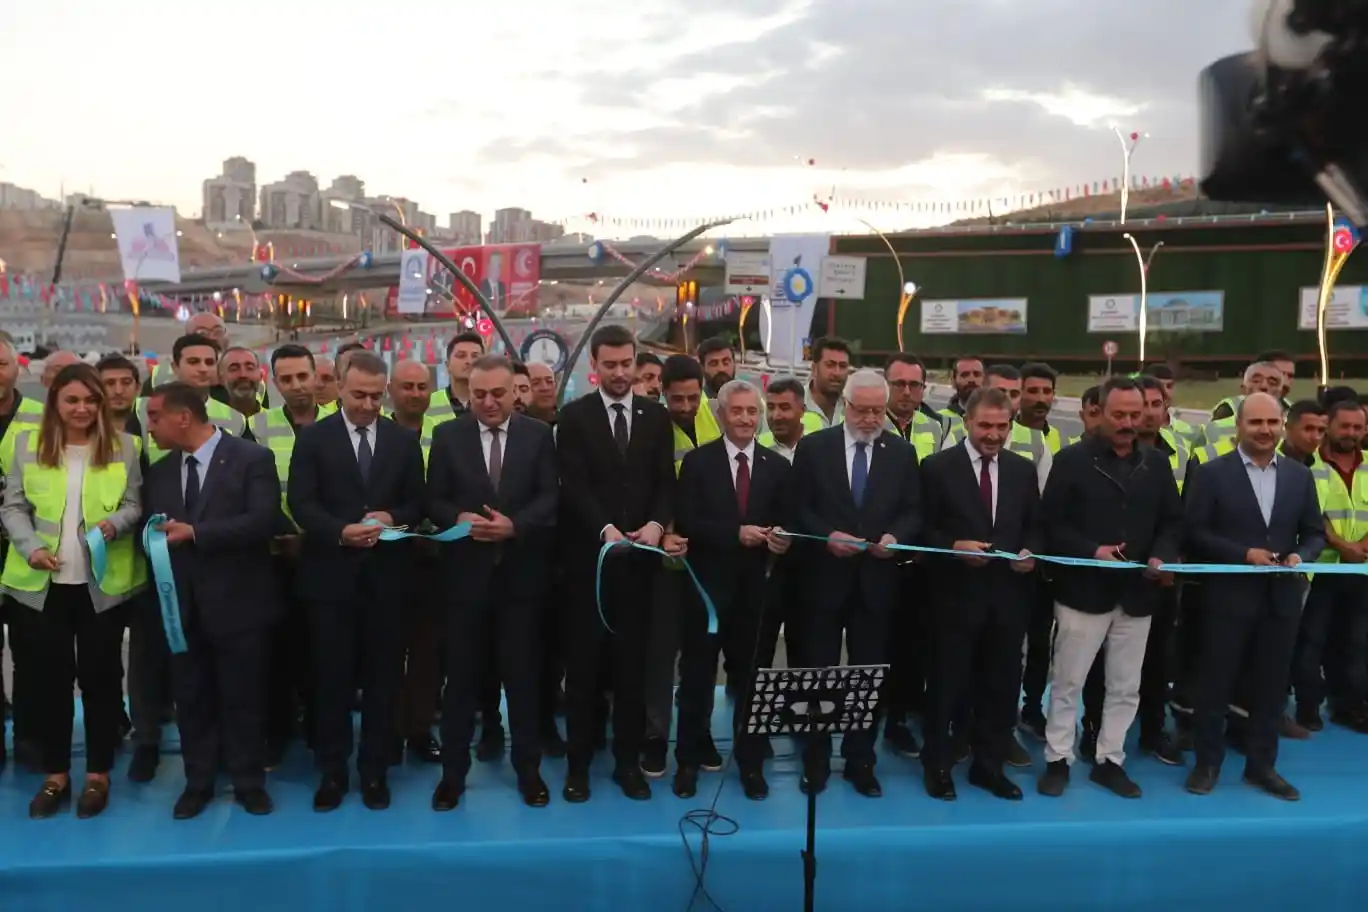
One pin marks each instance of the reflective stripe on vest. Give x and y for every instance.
(102, 492)
(1178, 456)
(1212, 450)
(705, 431)
(1345, 507)
(441, 408)
(1027, 442)
(28, 417)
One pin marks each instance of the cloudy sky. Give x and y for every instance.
(629, 108)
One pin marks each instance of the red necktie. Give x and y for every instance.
(742, 483)
(986, 485)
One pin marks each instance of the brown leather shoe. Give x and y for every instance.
(94, 799)
(50, 799)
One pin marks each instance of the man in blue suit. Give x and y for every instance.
(1251, 506)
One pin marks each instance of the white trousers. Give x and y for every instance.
(1078, 639)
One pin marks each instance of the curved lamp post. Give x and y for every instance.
(1143, 262)
(1341, 239)
(466, 281)
(641, 269)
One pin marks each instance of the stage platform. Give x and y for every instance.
(1089, 851)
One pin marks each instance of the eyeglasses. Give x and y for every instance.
(906, 384)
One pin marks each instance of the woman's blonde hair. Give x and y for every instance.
(104, 438)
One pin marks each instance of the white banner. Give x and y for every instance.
(147, 243)
(843, 277)
(1165, 311)
(1348, 308)
(796, 265)
(1113, 313)
(747, 273)
(413, 282)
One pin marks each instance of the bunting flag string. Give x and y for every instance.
(964, 208)
(599, 249)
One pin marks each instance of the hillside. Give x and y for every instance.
(28, 243)
(1106, 204)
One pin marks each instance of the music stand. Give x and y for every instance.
(808, 702)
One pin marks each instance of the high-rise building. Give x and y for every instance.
(466, 227)
(292, 203)
(349, 189)
(230, 199)
(517, 226)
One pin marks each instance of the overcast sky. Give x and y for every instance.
(629, 108)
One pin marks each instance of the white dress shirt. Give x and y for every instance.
(1264, 481)
(625, 402)
(976, 460)
(356, 438)
(487, 441)
(850, 442)
(203, 456)
(733, 450)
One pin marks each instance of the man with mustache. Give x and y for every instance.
(1107, 499)
(1250, 506)
(646, 380)
(719, 363)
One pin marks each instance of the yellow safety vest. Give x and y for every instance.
(27, 417)
(424, 436)
(227, 419)
(1344, 507)
(926, 433)
(1190, 435)
(102, 491)
(1212, 450)
(441, 409)
(705, 431)
(1178, 456)
(165, 373)
(1023, 441)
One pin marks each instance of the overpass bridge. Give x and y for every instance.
(559, 263)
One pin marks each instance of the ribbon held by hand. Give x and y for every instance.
(684, 562)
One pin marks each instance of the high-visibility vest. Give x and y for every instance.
(1212, 450)
(327, 409)
(1344, 507)
(953, 424)
(1190, 434)
(102, 491)
(441, 408)
(1218, 429)
(424, 436)
(705, 431)
(272, 429)
(1178, 456)
(1024, 441)
(27, 417)
(227, 419)
(166, 373)
(926, 433)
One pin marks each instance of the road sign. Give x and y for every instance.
(1109, 348)
(545, 346)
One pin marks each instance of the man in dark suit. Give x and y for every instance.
(732, 503)
(497, 471)
(615, 453)
(978, 496)
(221, 495)
(856, 485)
(1250, 506)
(352, 475)
(1110, 499)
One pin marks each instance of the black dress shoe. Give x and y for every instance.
(1055, 780)
(655, 754)
(861, 776)
(939, 785)
(94, 799)
(1162, 748)
(576, 790)
(254, 800)
(1202, 780)
(754, 786)
(491, 745)
(51, 798)
(143, 766)
(899, 739)
(686, 782)
(375, 794)
(330, 793)
(448, 793)
(192, 803)
(815, 776)
(632, 782)
(994, 782)
(1112, 777)
(425, 749)
(533, 789)
(711, 756)
(1017, 756)
(1273, 784)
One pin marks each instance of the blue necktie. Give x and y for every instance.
(859, 473)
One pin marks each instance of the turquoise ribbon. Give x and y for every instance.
(628, 543)
(1302, 568)
(397, 533)
(99, 554)
(159, 555)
